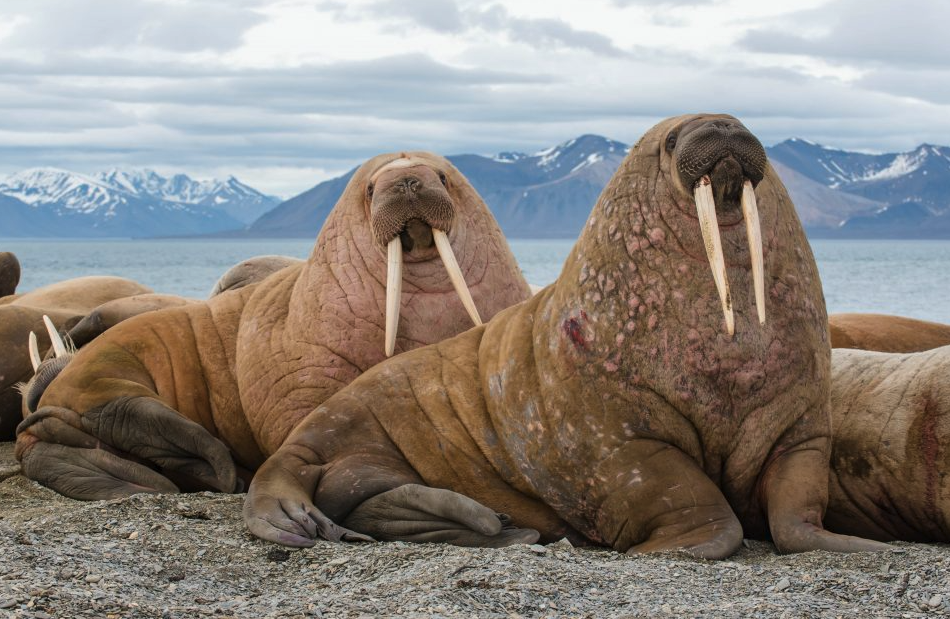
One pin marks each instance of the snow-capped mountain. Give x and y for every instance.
(138, 203)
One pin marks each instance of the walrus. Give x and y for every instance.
(639, 401)
(9, 273)
(250, 271)
(65, 303)
(885, 333)
(187, 389)
(891, 451)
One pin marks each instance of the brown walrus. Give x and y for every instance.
(247, 365)
(638, 401)
(66, 303)
(890, 457)
(250, 271)
(9, 273)
(885, 333)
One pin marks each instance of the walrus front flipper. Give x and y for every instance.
(279, 507)
(416, 513)
(90, 474)
(115, 444)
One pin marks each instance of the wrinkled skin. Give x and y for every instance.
(884, 333)
(891, 449)
(175, 399)
(612, 405)
(250, 271)
(66, 303)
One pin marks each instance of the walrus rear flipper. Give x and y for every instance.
(55, 443)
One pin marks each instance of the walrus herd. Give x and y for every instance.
(674, 389)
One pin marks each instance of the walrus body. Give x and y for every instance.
(252, 270)
(891, 450)
(613, 404)
(165, 400)
(9, 274)
(66, 303)
(884, 333)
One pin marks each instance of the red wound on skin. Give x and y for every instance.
(574, 331)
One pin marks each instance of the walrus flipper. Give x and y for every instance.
(416, 513)
(110, 448)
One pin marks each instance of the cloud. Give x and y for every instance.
(912, 32)
(120, 24)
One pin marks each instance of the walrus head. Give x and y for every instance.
(717, 162)
(411, 213)
(44, 371)
(9, 273)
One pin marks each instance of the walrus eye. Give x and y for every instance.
(671, 142)
(369, 190)
(445, 181)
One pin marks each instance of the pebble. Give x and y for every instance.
(782, 585)
(134, 535)
(93, 578)
(8, 603)
(935, 601)
(538, 549)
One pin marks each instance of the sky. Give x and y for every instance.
(285, 94)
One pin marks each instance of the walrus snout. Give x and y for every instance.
(44, 371)
(702, 146)
(411, 210)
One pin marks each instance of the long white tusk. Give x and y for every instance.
(35, 359)
(393, 294)
(455, 273)
(750, 211)
(58, 346)
(706, 209)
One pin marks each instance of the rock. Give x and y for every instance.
(134, 535)
(782, 585)
(93, 578)
(538, 549)
(935, 601)
(8, 603)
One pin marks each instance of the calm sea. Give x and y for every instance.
(910, 278)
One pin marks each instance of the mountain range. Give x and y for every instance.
(49, 202)
(838, 193)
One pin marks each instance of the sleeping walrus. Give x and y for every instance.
(885, 333)
(640, 401)
(66, 303)
(890, 458)
(173, 395)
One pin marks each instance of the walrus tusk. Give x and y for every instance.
(706, 209)
(58, 346)
(455, 273)
(393, 294)
(35, 359)
(751, 214)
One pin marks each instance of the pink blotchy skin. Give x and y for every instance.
(247, 365)
(613, 405)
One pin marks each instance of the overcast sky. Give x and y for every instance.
(284, 94)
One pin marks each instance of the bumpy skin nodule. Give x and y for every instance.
(248, 364)
(884, 333)
(612, 404)
(891, 449)
(66, 303)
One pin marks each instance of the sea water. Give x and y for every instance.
(909, 278)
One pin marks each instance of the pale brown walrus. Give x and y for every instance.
(885, 333)
(250, 271)
(9, 273)
(639, 401)
(66, 303)
(890, 462)
(247, 365)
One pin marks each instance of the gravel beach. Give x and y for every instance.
(190, 556)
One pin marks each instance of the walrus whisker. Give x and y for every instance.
(35, 358)
(706, 210)
(393, 293)
(58, 346)
(750, 211)
(455, 274)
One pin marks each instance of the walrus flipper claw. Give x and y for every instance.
(416, 513)
(147, 429)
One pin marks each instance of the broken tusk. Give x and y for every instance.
(706, 209)
(393, 293)
(750, 212)
(455, 273)
(35, 359)
(58, 346)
